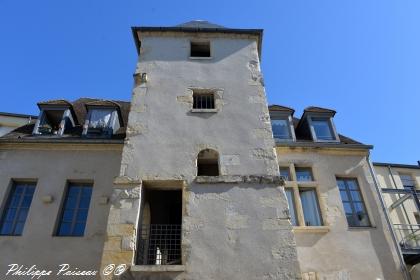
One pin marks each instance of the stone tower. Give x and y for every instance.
(199, 196)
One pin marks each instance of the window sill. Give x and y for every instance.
(361, 228)
(157, 268)
(204, 110)
(304, 184)
(200, 57)
(311, 229)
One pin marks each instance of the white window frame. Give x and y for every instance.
(331, 125)
(283, 116)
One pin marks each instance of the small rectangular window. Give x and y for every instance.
(75, 210)
(17, 208)
(354, 206)
(304, 174)
(281, 129)
(292, 209)
(310, 206)
(203, 101)
(323, 129)
(200, 49)
(285, 172)
(50, 121)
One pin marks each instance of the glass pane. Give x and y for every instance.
(6, 228)
(84, 202)
(355, 196)
(71, 202)
(19, 189)
(30, 190)
(347, 208)
(304, 174)
(79, 229)
(100, 118)
(19, 228)
(15, 201)
(341, 185)
(407, 181)
(73, 191)
(292, 209)
(26, 202)
(10, 215)
(310, 207)
(344, 196)
(322, 129)
(281, 129)
(22, 214)
(68, 215)
(285, 172)
(352, 184)
(64, 229)
(82, 215)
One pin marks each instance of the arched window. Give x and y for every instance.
(208, 163)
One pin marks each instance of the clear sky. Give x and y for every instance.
(359, 57)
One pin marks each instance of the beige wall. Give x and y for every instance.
(337, 251)
(9, 123)
(51, 166)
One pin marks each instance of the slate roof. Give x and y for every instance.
(199, 24)
(304, 136)
(79, 108)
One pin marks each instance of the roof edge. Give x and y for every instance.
(397, 165)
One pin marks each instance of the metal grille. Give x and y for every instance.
(203, 101)
(160, 244)
(408, 235)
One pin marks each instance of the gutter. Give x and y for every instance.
(324, 145)
(404, 269)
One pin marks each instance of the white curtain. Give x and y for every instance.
(100, 118)
(310, 208)
(290, 200)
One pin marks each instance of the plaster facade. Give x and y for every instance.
(235, 226)
(335, 250)
(52, 166)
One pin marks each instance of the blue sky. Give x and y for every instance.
(359, 57)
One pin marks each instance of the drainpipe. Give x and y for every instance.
(404, 269)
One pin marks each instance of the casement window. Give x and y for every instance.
(292, 208)
(200, 50)
(100, 118)
(323, 128)
(407, 181)
(304, 174)
(310, 207)
(285, 172)
(353, 203)
(75, 210)
(17, 208)
(281, 129)
(203, 100)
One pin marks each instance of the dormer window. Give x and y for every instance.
(317, 123)
(322, 128)
(103, 119)
(55, 118)
(282, 123)
(281, 129)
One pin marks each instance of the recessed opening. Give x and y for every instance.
(208, 163)
(200, 49)
(50, 121)
(203, 100)
(160, 238)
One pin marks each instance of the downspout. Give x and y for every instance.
(404, 269)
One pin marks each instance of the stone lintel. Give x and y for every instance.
(249, 179)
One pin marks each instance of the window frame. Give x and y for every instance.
(351, 202)
(7, 205)
(307, 168)
(63, 208)
(217, 96)
(331, 126)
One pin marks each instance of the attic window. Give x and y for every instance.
(200, 49)
(100, 118)
(208, 163)
(101, 121)
(281, 129)
(50, 122)
(323, 129)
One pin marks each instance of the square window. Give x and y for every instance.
(304, 174)
(353, 204)
(75, 211)
(407, 181)
(281, 129)
(323, 129)
(200, 49)
(16, 209)
(310, 206)
(203, 100)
